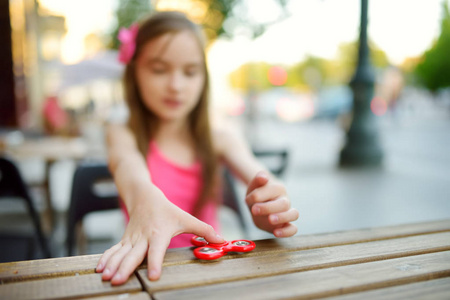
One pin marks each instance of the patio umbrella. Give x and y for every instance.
(104, 65)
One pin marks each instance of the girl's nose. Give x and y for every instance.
(176, 81)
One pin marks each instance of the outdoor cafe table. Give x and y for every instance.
(405, 261)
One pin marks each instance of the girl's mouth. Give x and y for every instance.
(172, 103)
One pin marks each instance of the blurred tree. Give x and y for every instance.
(128, 12)
(251, 76)
(408, 67)
(295, 79)
(434, 69)
(309, 73)
(214, 16)
(306, 75)
(239, 17)
(347, 59)
(218, 17)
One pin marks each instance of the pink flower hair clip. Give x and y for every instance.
(127, 37)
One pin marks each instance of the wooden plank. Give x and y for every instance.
(326, 282)
(437, 289)
(204, 272)
(66, 287)
(66, 266)
(46, 268)
(126, 296)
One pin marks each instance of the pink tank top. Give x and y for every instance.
(182, 186)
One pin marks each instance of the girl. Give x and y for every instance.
(165, 162)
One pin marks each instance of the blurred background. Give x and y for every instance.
(366, 129)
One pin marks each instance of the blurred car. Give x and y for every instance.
(332, 102)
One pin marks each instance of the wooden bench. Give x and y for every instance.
(407, 261)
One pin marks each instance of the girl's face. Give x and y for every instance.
(170, 75)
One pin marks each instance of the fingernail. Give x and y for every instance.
(274, 219)
(106, 272)
(99, 267)
(256, 210)
(117, 277)
(278, 232)
(152, 275)
(263, 174)
(219, 237)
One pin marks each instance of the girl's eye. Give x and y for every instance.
(191, 72)
(158, 70)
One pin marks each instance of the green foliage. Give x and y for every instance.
(218, 17)
(129, 12)
(310, 73)
(251, 76)
(219, 9)
(347, 60)
(434, 69)
(237, 14)
(307, 75)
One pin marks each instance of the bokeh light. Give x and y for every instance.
(277, 75)
(378, 106)
(235, 106)
(293, 109)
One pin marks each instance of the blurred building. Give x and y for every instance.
(32, 37)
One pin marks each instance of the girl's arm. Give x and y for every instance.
(154, 220)
(266, 196)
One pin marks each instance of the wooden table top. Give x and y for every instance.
(406, 261)
(52, 148)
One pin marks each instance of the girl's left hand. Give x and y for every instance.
(270, 206)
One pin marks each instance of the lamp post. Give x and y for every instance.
(362, 146)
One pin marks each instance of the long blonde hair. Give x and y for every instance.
(144, 124)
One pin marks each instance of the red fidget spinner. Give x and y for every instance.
(211, 251)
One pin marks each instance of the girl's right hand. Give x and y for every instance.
(148, 233)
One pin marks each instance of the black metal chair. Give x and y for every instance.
(13, 186)
(85, 198)
(276, 160)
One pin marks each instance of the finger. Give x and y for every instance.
(106, 256)
(278, 205)
(156, 251)
(284, 217)
(265, 193)
(133, 259)
(260, 179)
(114, 262)
(197, 227)
(286, 231)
